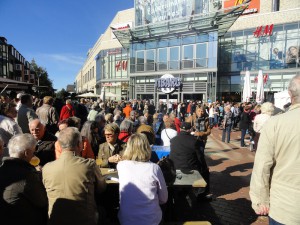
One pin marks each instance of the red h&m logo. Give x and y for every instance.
(264, 31)
(121, 65)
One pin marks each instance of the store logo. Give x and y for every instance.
(168, 83)
(264, 31)
(121, 65)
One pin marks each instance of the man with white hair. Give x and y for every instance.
(274, 187)
(71, 182)
(23, 197)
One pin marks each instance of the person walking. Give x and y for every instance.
(274, 186)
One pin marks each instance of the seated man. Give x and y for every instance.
(186, 154)
(112, 150)
(45, 150)
(71, 183)
(23, 197)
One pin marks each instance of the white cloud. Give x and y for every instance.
(65, 58)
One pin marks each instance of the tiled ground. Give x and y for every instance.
(230, 168)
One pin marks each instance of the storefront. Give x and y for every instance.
(272, 48)
(112, 72)
(178, 38)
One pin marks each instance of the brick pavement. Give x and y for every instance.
(231, 168)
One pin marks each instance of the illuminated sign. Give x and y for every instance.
(168, 83)
(263, 31)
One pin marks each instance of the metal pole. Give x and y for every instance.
(4, 89)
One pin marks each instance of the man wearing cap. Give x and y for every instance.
(186, 155)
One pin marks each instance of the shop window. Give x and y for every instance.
(162, 43)
(174, 42)
(202, 38)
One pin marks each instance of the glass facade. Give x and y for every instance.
(195, 51)
(112, 70)
(277, 55)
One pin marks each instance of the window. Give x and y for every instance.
(162, 61)
(150, 60)
(201, 55)
(139, 61)
(174, 58)
(188, 56)
(275, 5)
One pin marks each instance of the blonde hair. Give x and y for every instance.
(112, 127)
(267, 108)
(48, 100)
(138, 148)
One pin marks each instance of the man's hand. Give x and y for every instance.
(115, 158)
(263, 210)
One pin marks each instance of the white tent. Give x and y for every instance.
(281, 98)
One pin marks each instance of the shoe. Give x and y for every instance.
(243, 146)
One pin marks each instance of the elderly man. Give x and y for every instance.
(71, 183)
(274, 188)
(112, 150)
(48, 115)
(45, 150)
(26, 113)
(23, 197)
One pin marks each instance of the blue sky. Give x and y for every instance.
(57, 33)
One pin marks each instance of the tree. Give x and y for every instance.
(62, 94)
(45, 85)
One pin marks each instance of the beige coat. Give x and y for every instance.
(105, 152)
(275, 180)
(70, 183)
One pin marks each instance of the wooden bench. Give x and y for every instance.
(189, 223)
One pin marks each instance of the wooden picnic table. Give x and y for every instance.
(191, 179)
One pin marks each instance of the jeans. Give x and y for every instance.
(226, 131)
(243, 134)
(274, 222)
(211, 121)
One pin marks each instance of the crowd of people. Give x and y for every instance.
(67, 185)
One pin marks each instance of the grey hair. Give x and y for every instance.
(294, 88)
(69, 138)
(267, 108)
(142, 120)
(99, 118)
(126, 125)
(18, 144)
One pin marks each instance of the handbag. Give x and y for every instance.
(168, 169)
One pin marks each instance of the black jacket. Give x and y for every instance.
(185, 152)
(245, 121)
(23, 197)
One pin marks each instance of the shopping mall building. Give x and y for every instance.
(194, 49)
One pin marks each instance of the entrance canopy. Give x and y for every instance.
(220, 21)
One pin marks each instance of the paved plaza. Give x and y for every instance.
(231, 168)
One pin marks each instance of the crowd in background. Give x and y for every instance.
(114, 131)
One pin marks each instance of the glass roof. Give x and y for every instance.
(220, 21)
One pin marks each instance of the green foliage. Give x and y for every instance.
(62, 94)
(43, 75)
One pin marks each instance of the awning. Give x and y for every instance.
(220, 21)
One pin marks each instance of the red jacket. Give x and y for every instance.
(66, 112)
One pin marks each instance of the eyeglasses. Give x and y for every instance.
(108, 135)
